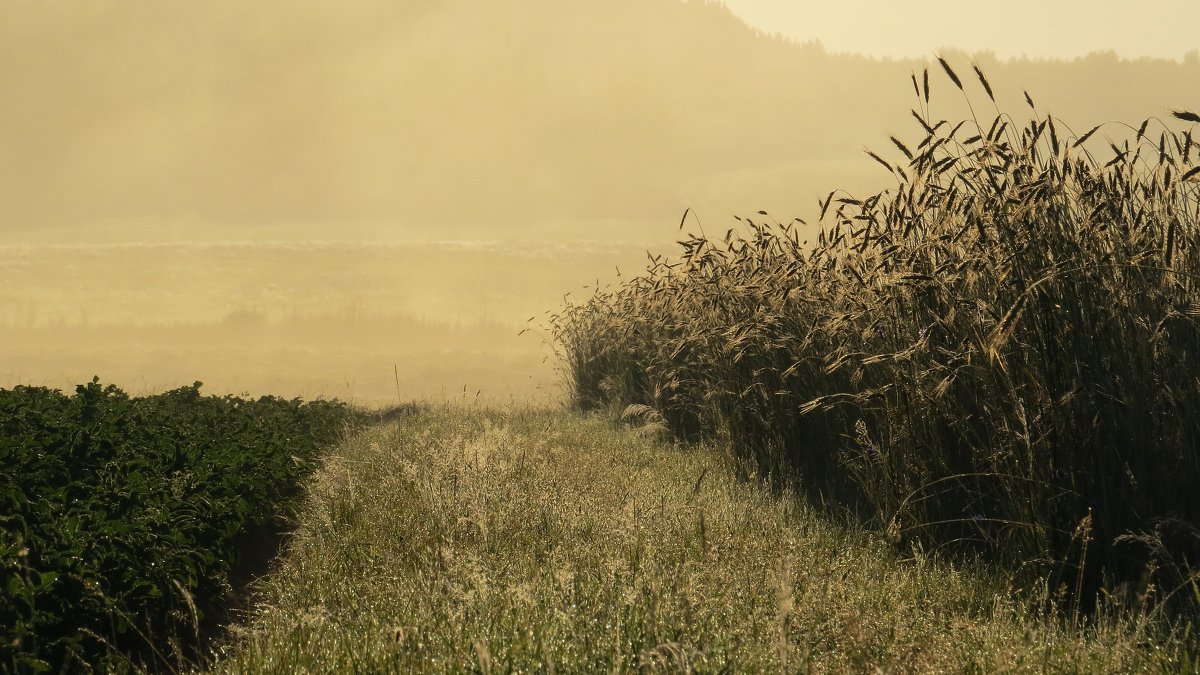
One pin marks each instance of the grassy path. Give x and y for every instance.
(468, 540)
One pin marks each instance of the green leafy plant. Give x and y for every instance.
(120, 517)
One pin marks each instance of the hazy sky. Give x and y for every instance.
(1011, 28)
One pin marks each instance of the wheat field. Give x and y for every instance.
(996, 355)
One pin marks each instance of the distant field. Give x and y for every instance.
(333, 317)
(202, 281)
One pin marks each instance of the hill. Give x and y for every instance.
(490, 117)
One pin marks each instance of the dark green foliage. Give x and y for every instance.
(1001, 352)
(118, 515)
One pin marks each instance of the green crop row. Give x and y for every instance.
(121, 518)
(1002, 352)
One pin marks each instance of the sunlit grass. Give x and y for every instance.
(524, 541)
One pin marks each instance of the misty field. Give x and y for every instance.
(296, 317)
(450, 386)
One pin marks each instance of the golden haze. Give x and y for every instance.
(295, 197)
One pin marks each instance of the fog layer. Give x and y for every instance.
(227, 130)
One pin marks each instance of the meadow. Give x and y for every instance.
(475, 540)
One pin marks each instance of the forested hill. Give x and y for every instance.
(485, 115)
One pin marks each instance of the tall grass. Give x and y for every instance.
(467, 540)
(1001, 352)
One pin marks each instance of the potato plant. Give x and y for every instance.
(121, 518)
